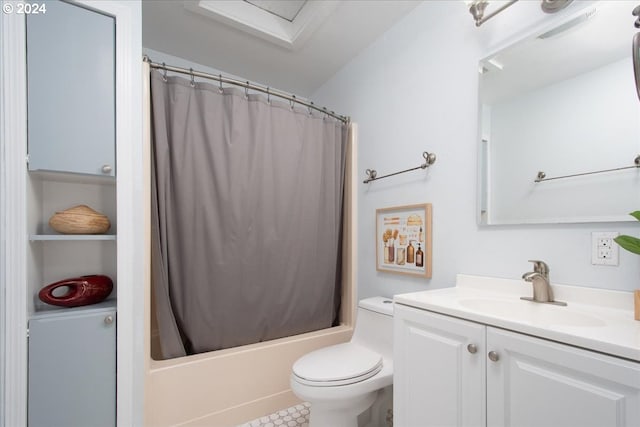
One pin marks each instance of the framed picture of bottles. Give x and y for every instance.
(403, 240)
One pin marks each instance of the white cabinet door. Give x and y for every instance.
(71, 90)
(541, 383)
(438, 379)
(72, 367)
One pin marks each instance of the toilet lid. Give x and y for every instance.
(337, 365)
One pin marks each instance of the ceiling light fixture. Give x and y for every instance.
(477, 8)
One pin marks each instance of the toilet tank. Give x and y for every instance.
(374, 325)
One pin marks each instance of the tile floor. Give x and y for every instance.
(295, 416)
(380, 414)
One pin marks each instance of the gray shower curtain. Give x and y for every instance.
(246, 217)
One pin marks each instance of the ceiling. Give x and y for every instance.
(285, 9)
(250, 39)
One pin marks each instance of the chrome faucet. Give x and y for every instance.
(539, 278)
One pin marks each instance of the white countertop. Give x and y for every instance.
(595, 319)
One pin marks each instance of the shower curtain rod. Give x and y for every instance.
(247, 85)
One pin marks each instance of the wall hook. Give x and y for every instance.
(371, 175)
(429, 159)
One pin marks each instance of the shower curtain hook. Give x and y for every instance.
(164, 72)
(292, 101)
(193, 81)
(220, 83)
(268, 96)
(309, 108)
(326, 113)
(246, 90)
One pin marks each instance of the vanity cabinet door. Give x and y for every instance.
(536, 382)
(439, 370)
(71, 90)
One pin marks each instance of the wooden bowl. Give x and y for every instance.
(79, 219)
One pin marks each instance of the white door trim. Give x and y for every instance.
(13, 227)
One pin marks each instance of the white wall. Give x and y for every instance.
(415, 90)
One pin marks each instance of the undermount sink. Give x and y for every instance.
(541, 314)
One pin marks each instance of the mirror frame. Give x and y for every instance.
(635, 54)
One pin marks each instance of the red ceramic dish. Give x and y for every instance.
(82, 290)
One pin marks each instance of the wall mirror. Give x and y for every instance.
(562, 102)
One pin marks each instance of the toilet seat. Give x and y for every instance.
(337, 365)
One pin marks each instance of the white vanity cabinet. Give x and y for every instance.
(455, 372)
(437, 381)
(71, 96)
(535, 382)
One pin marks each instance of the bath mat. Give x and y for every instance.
(295, 416)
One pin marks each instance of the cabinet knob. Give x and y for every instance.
(472, 348)
(106, 169)
(493, 356)
(108, 320)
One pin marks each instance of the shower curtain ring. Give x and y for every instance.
(309, 108)
(220, 83)
(193, 79)
(246, 90)
(292, 101)
(326, 113)
(268, 96)
(164, 72)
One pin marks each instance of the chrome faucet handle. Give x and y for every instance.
(540, 267)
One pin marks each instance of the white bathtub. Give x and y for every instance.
(231, 386)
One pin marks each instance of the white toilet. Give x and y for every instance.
(342, 381)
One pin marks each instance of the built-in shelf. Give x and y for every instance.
(73, 178)
(59, 237)
(47, 310)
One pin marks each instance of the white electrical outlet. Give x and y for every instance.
(604, 251)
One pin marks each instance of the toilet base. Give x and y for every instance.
(342, 413)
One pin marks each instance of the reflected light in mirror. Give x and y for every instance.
(568, 25)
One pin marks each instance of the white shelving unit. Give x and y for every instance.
(54, 256)
(71, 56)
(29, 198)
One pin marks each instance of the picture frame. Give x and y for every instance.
(403, 240)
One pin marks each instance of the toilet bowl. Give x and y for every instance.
(341, 381)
